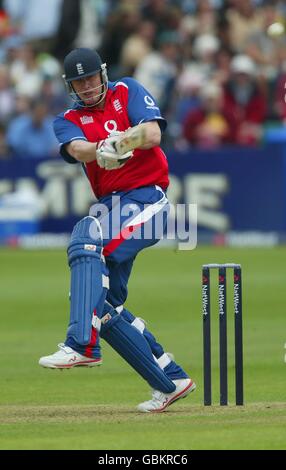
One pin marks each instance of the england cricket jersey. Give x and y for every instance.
(127, 104)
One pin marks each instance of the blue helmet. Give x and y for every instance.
(81, 63)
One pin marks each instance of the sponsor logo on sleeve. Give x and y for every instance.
(150, 102)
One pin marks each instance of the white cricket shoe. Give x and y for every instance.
(160, 401)
(66, 358)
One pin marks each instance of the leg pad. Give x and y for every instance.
(89, 278)
(134, 348)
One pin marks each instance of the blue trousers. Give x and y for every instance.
(131, 221)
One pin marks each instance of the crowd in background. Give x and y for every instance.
(217, 68)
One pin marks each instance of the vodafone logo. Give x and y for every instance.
(148, 100)
(110, 126)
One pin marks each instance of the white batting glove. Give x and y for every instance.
(107, 156)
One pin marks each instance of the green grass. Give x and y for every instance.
(96, 408)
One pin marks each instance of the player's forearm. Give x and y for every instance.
(152, 135)
(82, 150)
(85, 152)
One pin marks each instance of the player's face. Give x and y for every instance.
(89, 89)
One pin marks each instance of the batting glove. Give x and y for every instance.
(107, 156)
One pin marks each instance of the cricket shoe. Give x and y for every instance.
(66, 358)
(160, 401)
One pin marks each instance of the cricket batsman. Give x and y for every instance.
(114, 131)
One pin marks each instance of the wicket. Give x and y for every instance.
(206, 293)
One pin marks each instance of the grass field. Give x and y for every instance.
(96, 408)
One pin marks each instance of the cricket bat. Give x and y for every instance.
(131, 139)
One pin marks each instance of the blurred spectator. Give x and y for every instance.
(68, 28)
(89, 32)
(206, 17)
(205, 49)
(4, 149)
(54, 96)
(31, 134)
(48, 66)
(137, 46)
(267, 48)
(22, 105)
(7, 95)
(244, 20)
(166, 15)
(210, 125)
(185, 100)
(279, 98)
(121, 24)
(190, 6)
(104, 8)
(5, 24)
(244, 101)
(202, 21)
(223, 31)
(10, 49)
(188, 87)
(174, 47)
(37, 21)
(223, 59)
(158, 70)
(186, 6)
(25, 72)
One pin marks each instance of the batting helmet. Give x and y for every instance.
(81, 63)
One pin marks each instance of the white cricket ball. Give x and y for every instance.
(275, 29)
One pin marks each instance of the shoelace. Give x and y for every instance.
(63, 347)
(158, 396)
